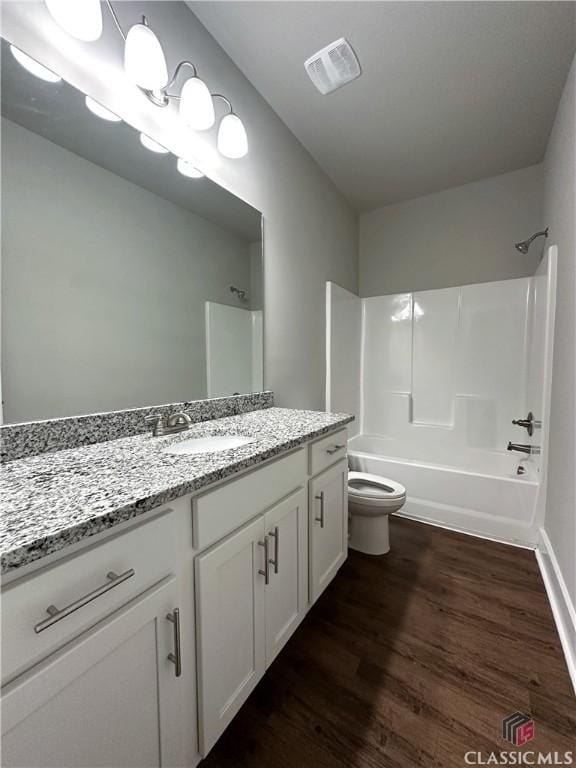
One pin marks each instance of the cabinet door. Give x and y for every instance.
(230, 622)
(110, 698)
(286, 595)
(328, 526)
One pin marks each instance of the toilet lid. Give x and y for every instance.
(364, 485)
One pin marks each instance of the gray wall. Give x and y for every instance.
(310, 231)
(103, 286)
(560, 215)
(462, 235)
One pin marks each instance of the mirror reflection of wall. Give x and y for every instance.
(109, 258)
(233, 342)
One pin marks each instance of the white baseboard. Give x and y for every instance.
(461, 529)
(562, 608)
(471, 521)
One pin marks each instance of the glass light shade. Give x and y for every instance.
(101, 111)
(80, 18)
(188, 169)
(232, 139)
(152, 145)
(196, 106)
(144, 60)
(34, 67)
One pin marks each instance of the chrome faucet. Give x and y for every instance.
(175, 422)
(523, 448)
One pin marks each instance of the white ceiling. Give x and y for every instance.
(451, 92)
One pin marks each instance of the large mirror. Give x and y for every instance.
(124, 282)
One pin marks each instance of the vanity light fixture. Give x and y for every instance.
(145, 65)
(189, 169)
(100, 111)
(144, 60)
(196, 105)
(232, 139)
(80, 18)
(152, 145)
(34, 67)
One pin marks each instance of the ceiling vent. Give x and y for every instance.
(333, 66)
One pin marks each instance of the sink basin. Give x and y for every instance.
(211, 444)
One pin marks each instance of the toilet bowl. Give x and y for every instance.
(371, 499)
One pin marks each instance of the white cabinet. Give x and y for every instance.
(328, 526)
(251, 594)
(230, 627)
(110, 698)
(101, 688)
(286, 594)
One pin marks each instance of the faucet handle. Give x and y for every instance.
(157, 422)
(529, 423)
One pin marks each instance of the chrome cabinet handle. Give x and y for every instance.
(176, 657)
(276, 536)
(320, 519)
(335, 449)
(266, 571)
(57, 614)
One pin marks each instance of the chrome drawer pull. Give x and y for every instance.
(176, 657)
(266, 571)
(57, 614)
(276, 536)
(335, 449)
(320, 519)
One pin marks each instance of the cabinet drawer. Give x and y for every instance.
(81, 589)
(221, 511)
(328, 451)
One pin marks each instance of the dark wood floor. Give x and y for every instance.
(411, 660)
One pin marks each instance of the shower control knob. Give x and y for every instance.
(529, 423)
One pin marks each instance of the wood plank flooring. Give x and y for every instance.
(411, 660)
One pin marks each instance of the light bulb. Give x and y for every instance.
(80, 18)
(152, 145)
(188, 169)
(232, 139)
(34, 67)
(101, 111)
(144, 60)
(196, 106)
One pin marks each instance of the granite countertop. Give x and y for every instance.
(53, 500)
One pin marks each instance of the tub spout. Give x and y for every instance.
(532, 449)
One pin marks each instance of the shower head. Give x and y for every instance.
(240, 293)
(525, 244)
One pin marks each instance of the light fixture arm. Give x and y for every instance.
(162, 98)
(228, 102)
(172, 80)
(116, 20)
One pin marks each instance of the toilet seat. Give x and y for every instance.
(373, 488)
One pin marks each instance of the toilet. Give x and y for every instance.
(371, 499)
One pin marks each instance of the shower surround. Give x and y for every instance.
(437, 377)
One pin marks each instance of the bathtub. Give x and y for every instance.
(474, 491)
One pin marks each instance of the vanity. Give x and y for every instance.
(134, 637)
(150, 575)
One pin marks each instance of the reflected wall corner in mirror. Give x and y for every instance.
(125, 281)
